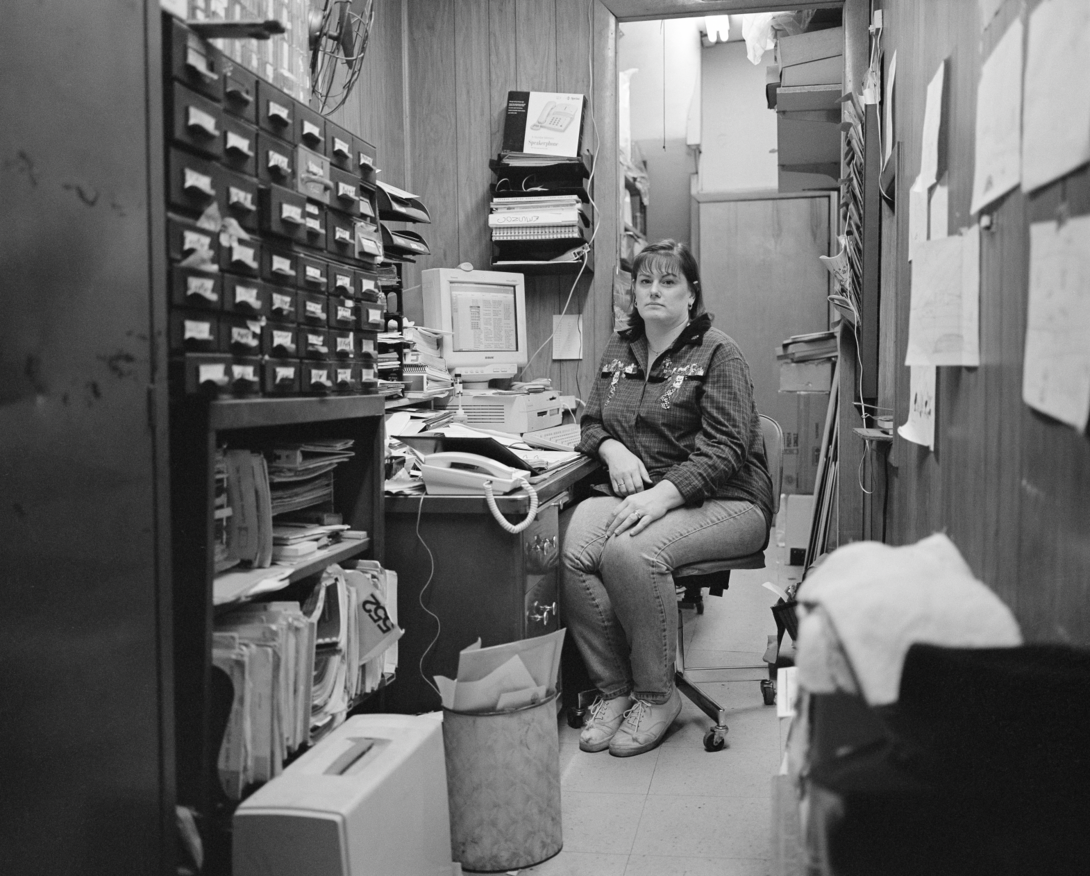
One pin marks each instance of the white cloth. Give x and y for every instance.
(873, 601)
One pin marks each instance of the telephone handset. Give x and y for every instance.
(455, 473)
(554, 117)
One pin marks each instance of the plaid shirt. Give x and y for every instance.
(692, 421)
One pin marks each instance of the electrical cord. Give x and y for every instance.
(420, 599)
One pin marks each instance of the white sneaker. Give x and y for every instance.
(644, 726)
(604, 717)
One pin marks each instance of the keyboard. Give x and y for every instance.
(562, 437)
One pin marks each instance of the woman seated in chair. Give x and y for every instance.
(671, 417)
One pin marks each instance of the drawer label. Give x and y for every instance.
(319, 375)
(202, 121)
(213, 373)
(279, 163)
(344, 312)
(281, 265)
(292, 213)
(279, 113)
(341, 147)
(194, 241)
(311, 130)
(240, 198)
(343, 281)
(200, 182)
(342, 234)
(238, 143)
(243, 336)
(344, 345)
(243, 254)
(285, 303)
(246, 295)
(284, 339)
(194, 330)
(205, 287)
(245, 372)
(284, 373)
(315, 273)
(345, 190)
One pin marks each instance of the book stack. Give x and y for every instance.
(807, 103)
(541, 209)
(301, 474)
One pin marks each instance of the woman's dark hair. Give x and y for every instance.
(666, 256)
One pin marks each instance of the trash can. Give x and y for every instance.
(503, 786)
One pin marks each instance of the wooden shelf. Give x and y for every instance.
(235, 585)
(253, 412)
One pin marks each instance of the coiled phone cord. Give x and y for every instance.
(500, 519)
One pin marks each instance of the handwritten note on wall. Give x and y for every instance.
(998, 167)
(944, 313)
(920, 426)
(1056, 371)
(1056, 117)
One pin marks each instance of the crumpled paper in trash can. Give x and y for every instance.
(503, 677)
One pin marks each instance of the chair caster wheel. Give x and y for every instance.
(768, 691)
(575, 718)
(715, 739)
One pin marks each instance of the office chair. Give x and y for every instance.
(714, 573)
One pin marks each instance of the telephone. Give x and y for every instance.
(554, 117)
(458, 473)
(455, 474)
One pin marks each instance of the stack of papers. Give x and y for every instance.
(503, 677)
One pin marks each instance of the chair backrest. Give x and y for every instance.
(773, 436)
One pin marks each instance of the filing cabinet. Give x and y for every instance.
(269, 202)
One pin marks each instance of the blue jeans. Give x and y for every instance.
(618, 596)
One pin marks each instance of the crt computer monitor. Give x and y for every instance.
(483, 314)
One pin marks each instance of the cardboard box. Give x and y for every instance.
(813, 376)
(810, 46)
(812, 408)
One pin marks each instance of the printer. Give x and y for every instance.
(510, 411)
(370, 799)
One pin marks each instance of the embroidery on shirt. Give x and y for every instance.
(675, 378)
(616, 368)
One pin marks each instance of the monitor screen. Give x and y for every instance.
(482, 318)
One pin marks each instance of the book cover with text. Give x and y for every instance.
(543, 123)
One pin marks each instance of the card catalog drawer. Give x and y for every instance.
(317, 378)
(346, 378)
(312, 309)
(309, 128)
(192, 331)
(194, 61)
(244, 376)
(194, 181)
(239, 145)
(196, 121)
(342, 344)
(281, 341)
(240, 198)
(282, 213)
(313, 343)
(241, 256)
(282, 377)
(201, 373)
(275, 110)
(275, 160)
(345, 191)
(278, 266)
(343, 312)
(245, 296)
(195, 289)
(313, 274)
(283, 305)
(190, 244)
(241, 335)
(239, 91)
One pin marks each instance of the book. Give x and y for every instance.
(542, 123)
(537, 216)
(537, 232)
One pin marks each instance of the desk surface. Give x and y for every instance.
(516, 503)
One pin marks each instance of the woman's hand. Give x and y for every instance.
(638, 511)
(627, 473)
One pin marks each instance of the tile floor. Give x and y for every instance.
(679, 810)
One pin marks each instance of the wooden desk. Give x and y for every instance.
(477, 579)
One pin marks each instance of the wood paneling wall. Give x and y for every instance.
(1009, 486)
(462, 59)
